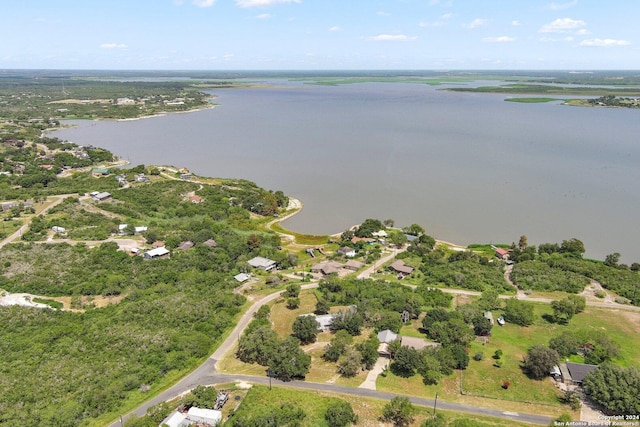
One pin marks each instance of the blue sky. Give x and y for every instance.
(320, 34)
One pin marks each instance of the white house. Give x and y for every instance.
(59, 230)
(347, 251)
(206, 416)
(161, 252)
(242, 277)
(262, 263)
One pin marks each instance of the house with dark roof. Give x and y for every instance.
(185, 245)
(326, 267)
(401, 268)
(211, 243)
(576, 372)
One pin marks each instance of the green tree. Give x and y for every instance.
(437, 421)
(572, 247)
(369, 351)
(519, 312)
(292, 291)
(405, 362)
(565, 344)
(201, 397)
(397, 238)
(615, 388)
(349, 320)
(612, 260)
(293, 303)
(340, 414)
(566, 308)
(399, 411)
(368, 227)
(481, 325)
(305, 328)
(289, 361)
(262, 313)
(539, 361)
(322, 307)
(414, 230)
(350, 363)
(258, 345)
(389, 320)
(337, 346)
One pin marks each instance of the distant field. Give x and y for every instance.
(551, 90)
(533, 100)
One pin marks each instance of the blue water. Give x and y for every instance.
(467, 167)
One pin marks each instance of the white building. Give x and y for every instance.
(262, 263)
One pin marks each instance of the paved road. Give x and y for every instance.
(19, 232)
(206, 374)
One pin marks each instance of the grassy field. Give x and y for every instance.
(301, 239)
(262, 400)
(533, 100)
(482, 381)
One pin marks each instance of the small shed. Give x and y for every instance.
(387, 336)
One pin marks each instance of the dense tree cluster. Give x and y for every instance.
(615, 388)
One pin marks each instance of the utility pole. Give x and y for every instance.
(435, 402)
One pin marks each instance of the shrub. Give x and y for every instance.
(506, 384)
(478, 356)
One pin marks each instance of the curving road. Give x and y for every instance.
(206, 374)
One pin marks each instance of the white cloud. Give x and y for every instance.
(583, 32)
(335, 29)
(476, 23)
(604, 42)
(562, 6)
(515, 23)
(228, 57)
(501, 39)
(555, 39)
(391, 37)
(446, 16)
(562, 25)
(381, 13)
(262, 3)
(263, 16)
(113, 46)
(204, 3)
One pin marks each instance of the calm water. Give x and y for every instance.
(468, 167)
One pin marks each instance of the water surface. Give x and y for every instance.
(468, 167)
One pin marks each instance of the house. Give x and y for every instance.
(242, 277)
(185, 245)
(326, 267)
(501, 253)
(379, 234)
(176, 419)
(100, 172)
(576, 372)
(353, 265)
(195, 416)
(417, 343)
(347, 251)
(401, 268)
(195, 199)
(122, 229)
(59, 230)
(204, 416)
(324, 321)
(262, 263)
(186, 176)
(101, 197)
(367, 240)
(141, 178)
(211, 243)
(140, 229)
(161, 252)
(157, 244)
(387, 336)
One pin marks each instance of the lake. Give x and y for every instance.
(468, 167)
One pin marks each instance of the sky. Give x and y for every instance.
(320, 34)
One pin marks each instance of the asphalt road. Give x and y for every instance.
(206, 374)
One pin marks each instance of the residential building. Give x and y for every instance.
(161, 252)
(347, 251)
(401, 268)
(262, 263)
